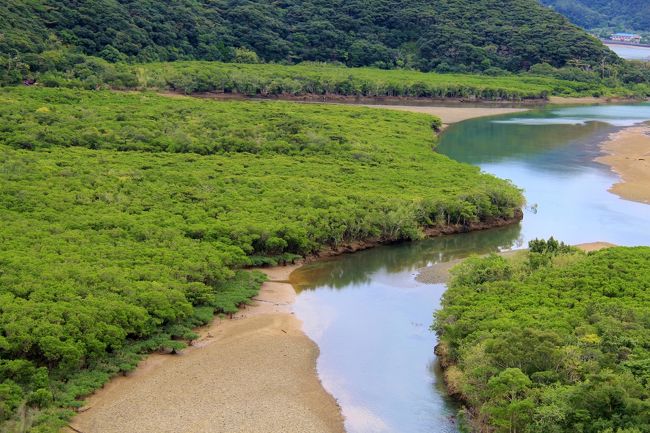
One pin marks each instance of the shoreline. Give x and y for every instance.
(449, 111)
(421, 101)
(627, 153)
(451, 115)
(361, 100)
(255, 372)
(591, 100)
(432, 232)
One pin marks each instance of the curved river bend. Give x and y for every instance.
(371, 318)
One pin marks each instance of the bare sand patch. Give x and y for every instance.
(628, 155)
(450, 115)
(254, 373)
(588, 100)
(594, 246)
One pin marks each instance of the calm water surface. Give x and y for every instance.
(630, 52)
(370, 317)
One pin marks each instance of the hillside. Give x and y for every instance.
(590, 14)
(456, 35)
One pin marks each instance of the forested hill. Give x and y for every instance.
(473, 35)
(629, 14)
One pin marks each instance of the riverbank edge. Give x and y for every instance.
(423, 100)
(627, 153)
(430, 232)
(270, 315)
(277, 275)
(471, 417)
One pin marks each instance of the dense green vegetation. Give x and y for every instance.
(127, 219)
(590, 14)
(326, 80)
(550, 341)
(445, 35)
(323, 79)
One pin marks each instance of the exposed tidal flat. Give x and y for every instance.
(628, 154)
(252, 373)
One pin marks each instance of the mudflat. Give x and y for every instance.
(627, 152)
(450, 115)
(253, 373)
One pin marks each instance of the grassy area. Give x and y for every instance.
(127, 219)
(553, 340)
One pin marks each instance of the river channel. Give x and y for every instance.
(370, 316)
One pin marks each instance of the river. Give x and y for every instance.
(369, 315)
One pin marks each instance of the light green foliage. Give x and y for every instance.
(556, 345)
(126, 219)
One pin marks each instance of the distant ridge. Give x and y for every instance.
(451, 35)
(628, 14)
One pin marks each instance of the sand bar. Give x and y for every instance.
(628, 155)
(589, 100)
(450, 115)
(254, 373)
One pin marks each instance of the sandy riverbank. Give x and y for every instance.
(450, 115)
(254, 373)
(588, 100)
(628, 155)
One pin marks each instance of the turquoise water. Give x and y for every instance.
(369, 315)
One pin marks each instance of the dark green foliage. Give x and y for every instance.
(126, 219)
(319, 79)
(624, 14)
(445, 35)
(323, 79)
(559, 346)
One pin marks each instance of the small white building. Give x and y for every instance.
(629, 38)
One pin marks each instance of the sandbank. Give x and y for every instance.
(254, 373)
(588, 100)
(449, 115)
(628, 155)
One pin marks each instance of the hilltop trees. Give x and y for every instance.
(422, 34)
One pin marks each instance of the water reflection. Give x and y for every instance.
(371, 321)
(553, 162)
(359, 268)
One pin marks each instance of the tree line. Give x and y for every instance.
(454, 35)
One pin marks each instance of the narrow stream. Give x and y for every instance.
(371, 318)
